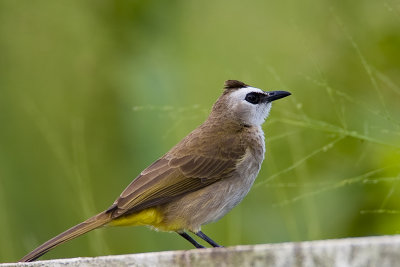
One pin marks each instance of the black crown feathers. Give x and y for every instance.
(234, 84)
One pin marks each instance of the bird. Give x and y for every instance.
(199, 180)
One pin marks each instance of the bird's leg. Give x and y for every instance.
(207, 239)
(190, 239)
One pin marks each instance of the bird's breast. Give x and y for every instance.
(213, 201)
(249, 166)
(231, 191)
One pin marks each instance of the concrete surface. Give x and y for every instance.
(379, 251)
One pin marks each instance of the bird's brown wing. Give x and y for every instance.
(172, 177)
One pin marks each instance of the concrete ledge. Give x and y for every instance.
(379, 251)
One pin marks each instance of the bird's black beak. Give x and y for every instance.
(274, 95)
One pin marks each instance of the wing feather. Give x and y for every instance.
(171, 177)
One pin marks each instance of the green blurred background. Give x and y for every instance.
(91, 92)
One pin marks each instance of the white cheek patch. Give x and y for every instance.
(258, 115)
(249, 113)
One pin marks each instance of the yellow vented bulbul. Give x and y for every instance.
(200, 179)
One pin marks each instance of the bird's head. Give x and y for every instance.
(245, 104)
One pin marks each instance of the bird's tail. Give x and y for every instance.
(84, 227)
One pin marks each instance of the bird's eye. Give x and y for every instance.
(253, 98)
